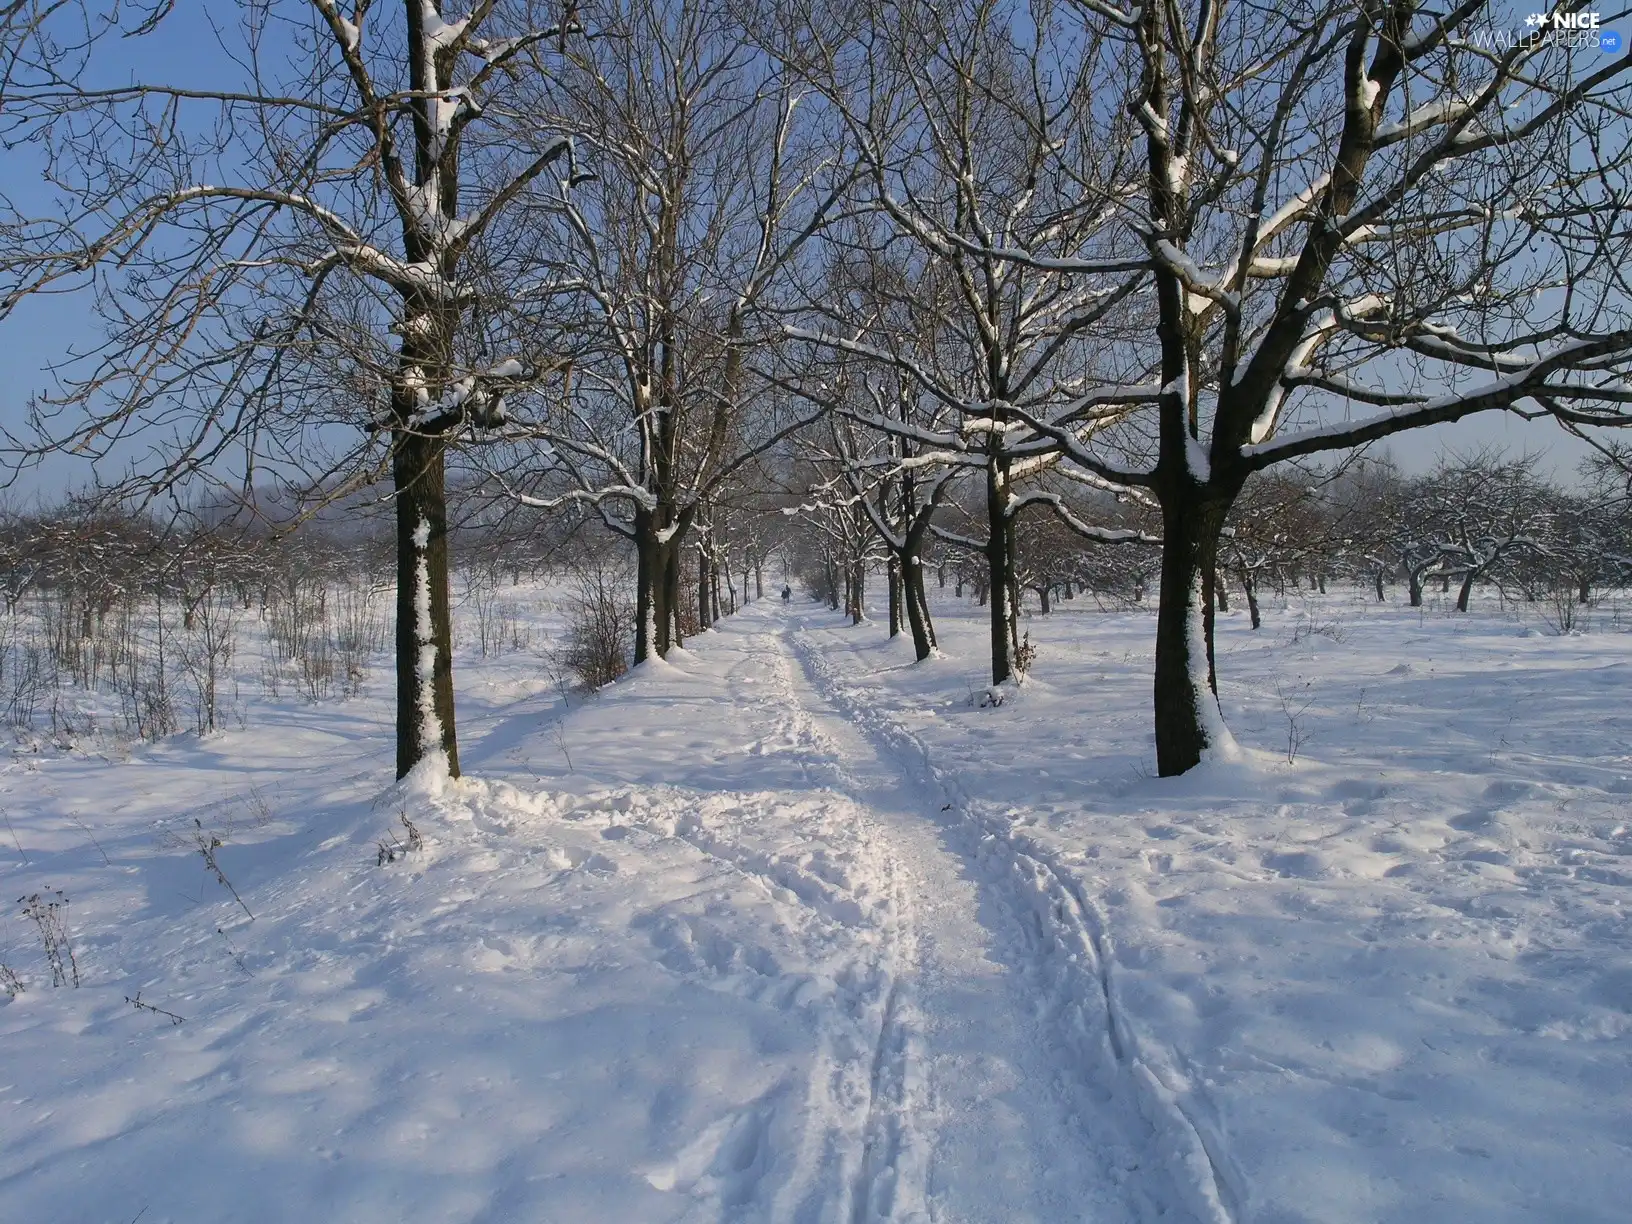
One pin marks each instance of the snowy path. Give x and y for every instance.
(1009, 1132)
(969, 1073)
(1028, 1054)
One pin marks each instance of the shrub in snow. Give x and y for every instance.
(599, 614)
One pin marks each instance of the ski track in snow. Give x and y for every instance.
(1065, 954)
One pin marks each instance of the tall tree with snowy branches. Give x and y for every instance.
(980, 139)
(1358, 219)
(298, 262)
(711, 176)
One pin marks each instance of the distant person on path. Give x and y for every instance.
(787, 594)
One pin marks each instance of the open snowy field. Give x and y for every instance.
(789, 929)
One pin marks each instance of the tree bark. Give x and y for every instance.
(1250, 589)
(702, 589)
(648, 586)
(669, 635)
(895, 597)
(425, 714)
(1191, 520)
(1467, 589)
(1000, 572)
(918, 619)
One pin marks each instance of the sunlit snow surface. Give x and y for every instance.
(805, 935)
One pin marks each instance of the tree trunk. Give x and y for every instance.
(1382, 596)
(858, 592)
(1000, 571)
(895, 596)
(702, 590)
(669, 634)
(1250, 589)
(1467, 589)
(657, 587)
(1222, 593)
(425, 715)
(651, 607)
(1042, 598)
(1186, 688)
(918, 620)
(1413, 586)
(1583, 593)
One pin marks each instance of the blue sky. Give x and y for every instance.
(185, 49)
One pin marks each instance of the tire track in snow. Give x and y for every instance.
(1075, 960)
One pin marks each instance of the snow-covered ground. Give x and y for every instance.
(791, 929)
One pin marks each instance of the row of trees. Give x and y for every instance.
(1472, 520)
(652, 259)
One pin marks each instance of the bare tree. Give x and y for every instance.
(874, 472)
(706, 188)
(977, 142)
(1479, 514)
(1276, 525)
(295, 265)
(1358, 220)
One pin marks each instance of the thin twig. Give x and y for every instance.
(14, 839)
(85, 829)
(208, 844)
(140, 1006)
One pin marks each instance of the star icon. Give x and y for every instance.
(1536, 19)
